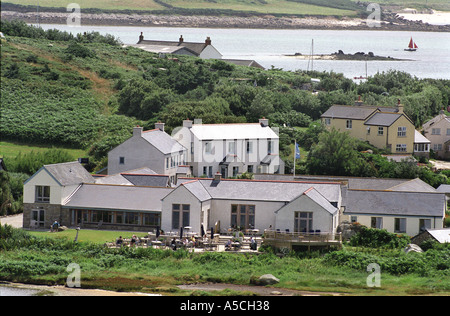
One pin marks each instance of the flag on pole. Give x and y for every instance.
(297, 151)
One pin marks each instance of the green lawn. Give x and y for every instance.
(86, 235)
(12, 149)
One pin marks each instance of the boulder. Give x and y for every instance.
(412, 248)
(268, 279)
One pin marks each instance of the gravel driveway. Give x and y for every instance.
(15, 221)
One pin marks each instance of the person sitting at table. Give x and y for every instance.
(119, 241)
(133, 241)
(253, 244)
(228, 244)
(173, 244)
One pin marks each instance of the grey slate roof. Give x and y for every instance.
(445, 188)
(349, 112)
(68, 173)
(162, 141)
(152, 180)
(117, 197)
(395, 203)
(173, 46)
(383, 119)
(254, 190)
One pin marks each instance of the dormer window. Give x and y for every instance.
(42, 194)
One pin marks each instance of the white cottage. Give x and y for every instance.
(230, 149)
(154, 149)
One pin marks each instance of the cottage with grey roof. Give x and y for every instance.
(203, 50)
(382, 127)
(154, 149)
(47, 189)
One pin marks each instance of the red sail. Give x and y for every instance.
(411, 43)
(415, 46)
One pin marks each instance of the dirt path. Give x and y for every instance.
(259, 290)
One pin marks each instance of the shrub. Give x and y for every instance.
(376, 238)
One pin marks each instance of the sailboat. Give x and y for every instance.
(412, 47)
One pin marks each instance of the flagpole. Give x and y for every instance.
(295, 155)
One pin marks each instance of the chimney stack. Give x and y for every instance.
(137, 131)
(359, 102)
(160, 126)
(141, 37)
(264, 122)
(399, 107)
(181, 40)
(187, 123)
(217, 177)
(208, 41)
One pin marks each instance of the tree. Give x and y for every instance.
(334, 154)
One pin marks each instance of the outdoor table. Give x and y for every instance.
(157, 243)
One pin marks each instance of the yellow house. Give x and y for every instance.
(382, 127)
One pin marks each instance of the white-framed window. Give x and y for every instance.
(180, 215)
(401, 131)
(42, 194)
(208, 148)
(249, 147)
(400, 225)
(448, 131)
(436, 131)
(437, 147)
(270, 146)
(232, 148)
(349, 124)
(380, 130)
(327, 121)
(401, 148)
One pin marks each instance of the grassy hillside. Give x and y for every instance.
(227, 7)
(87, 92)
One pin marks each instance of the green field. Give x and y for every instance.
(12, 149)
(283, 7)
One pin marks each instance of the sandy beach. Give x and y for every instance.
(434, 17)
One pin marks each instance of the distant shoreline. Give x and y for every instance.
(390, 22)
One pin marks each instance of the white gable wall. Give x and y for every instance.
(43, 178)
(210, 52)
(181, 195)
(322, 219)
(137, 153)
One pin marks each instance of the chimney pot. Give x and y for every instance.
(359, 102)
(208, 41)
(264, 122)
